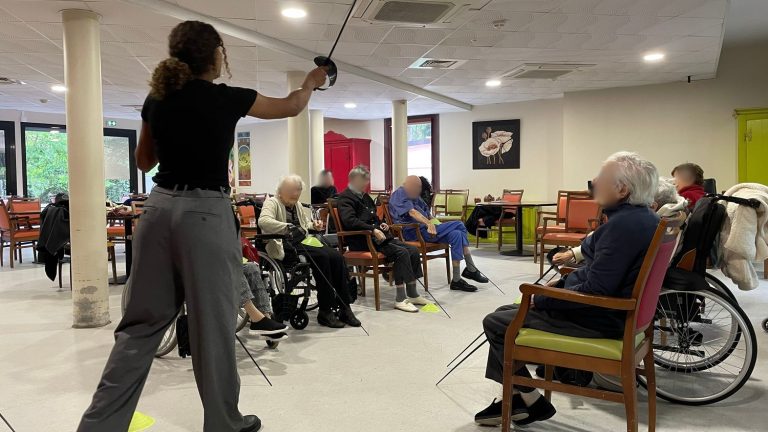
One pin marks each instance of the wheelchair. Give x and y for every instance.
(705, 347)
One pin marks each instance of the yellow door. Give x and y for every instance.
(753, 145)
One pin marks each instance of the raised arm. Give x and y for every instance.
(265, 107)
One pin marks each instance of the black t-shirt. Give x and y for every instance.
(194, 130)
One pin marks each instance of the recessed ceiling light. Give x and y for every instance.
(294, 13)
(653, 57)
(493, 83)
(58, 88)
(350, 105)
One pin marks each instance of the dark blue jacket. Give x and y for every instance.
(612, 259)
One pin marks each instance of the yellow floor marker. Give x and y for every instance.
(140, 422)
(431, 308)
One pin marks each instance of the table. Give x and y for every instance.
(518, 251)
(128, 223)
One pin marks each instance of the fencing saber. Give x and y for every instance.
(254, 360)
(553, 266)
(6, 422)
(325, 61)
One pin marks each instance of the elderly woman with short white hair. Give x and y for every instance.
(625, 188)
(284, 214)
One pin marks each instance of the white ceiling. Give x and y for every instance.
(612, 34)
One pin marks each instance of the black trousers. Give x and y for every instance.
(330, 274)
(406, 261)
(495, 326)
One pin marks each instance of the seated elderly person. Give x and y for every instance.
(284, 214)
(689, 179)
(666, 203)
(406, 206)
(324, 189)
(257, 303)
(357, 212)
(625, 189)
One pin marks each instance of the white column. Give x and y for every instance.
(85, 138)
(399, 142)
(317, 142)
(298, 138)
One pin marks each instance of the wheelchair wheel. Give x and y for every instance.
(242, 319)
(168, 343)
(704, 346)
(299, 320)
(765, 325)
(719, 286)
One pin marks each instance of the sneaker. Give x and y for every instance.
(541, 410)
(491, 416)
(406, 306)
(267, 326)
(476, 275)
(419, 301)
(348, 317)
(462, 285)
(328, 319)
(251, 423)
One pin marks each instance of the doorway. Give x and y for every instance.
(753, 145)
(7, 158)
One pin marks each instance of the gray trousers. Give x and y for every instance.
(252, 288)
(186, 249)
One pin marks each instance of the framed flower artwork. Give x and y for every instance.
(496, 144)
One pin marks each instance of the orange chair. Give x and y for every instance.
(368, 264)
(619, 358)
(558, 215)
(512, 196)
(581, 216)
(18, 233)
(427, 249)
(31, 205)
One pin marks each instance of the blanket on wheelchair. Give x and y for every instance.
(744, 235)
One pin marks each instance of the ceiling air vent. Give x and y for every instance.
(432, 63)
(550, 71)
(415, 12)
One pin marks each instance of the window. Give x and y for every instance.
(420, 149)
(46, 172)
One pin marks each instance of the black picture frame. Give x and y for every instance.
(499, 150)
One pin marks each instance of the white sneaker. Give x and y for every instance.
(419, 301)
(406, 306)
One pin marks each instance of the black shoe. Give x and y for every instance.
(348, 317)
(491, 416)
(540, 410)
(267, 326)
(476, 275)
(462, 285)
(328, 319)
(251, 424)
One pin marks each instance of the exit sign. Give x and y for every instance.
(111, 123)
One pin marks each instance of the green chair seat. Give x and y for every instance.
(609, 349)
(449, 218)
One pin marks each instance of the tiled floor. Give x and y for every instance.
(323, 380)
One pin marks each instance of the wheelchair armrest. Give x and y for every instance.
(265, 237)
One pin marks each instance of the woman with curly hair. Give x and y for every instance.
(186, 248)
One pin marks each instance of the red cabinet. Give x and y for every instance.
(342, 154)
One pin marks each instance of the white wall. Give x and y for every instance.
(368, 129)
(667, 123)
(269, 155)
(541, 144)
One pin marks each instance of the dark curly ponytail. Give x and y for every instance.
(192, 48)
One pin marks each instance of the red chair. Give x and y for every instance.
(558, 215)
(620, 358)
(367, 264)
(26, 205)
(512, 196)
(581, 216)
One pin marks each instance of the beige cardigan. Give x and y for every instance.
(273, 221)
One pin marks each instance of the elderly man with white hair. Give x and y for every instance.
(284, 214)
(625, 189)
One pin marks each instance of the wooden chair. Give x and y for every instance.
(450, 204)
(619, 358)
(512, 196)
(18, 233)
(19, 204)
(367, 264)
(581, 216)
(427, 249)
(558, 215)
